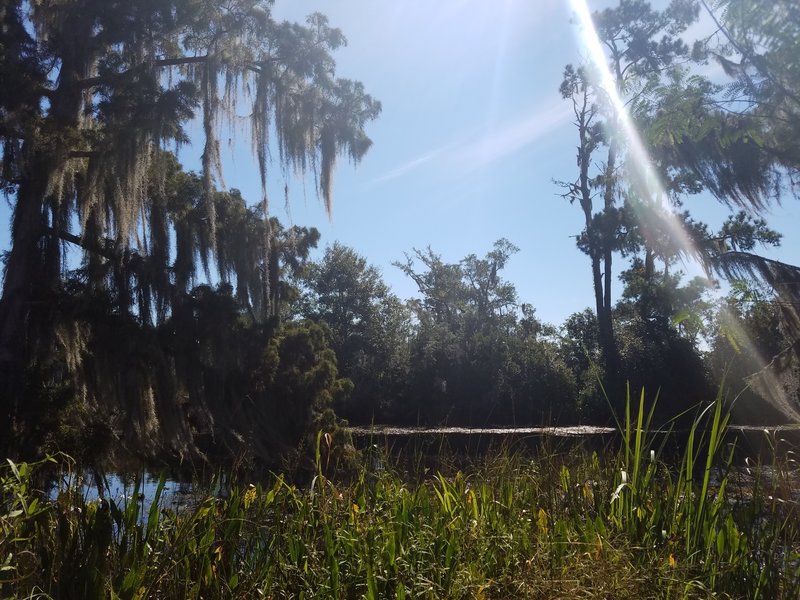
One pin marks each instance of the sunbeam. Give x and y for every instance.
(645, 181)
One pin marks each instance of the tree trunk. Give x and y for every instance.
(22, 272)
(28, 276)
(605, 320)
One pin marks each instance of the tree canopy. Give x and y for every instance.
(103, 89)
(154, 308)
(695, 136)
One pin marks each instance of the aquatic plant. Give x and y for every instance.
(626, 523)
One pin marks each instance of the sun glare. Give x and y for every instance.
(648, 186)
(646, 181)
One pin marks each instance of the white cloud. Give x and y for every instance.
(514, 135)
(497, 143)
(412, 164)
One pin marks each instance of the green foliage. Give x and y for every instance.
(760, 105)
(651, 353)
(477, 357)
(698, 144)
(642, 48)
(211, 377)
(369, 326)
(734, 141)
(625, 524)
(757, 50)
(101, 89)
(750, 345)
(298, 379)
(580, 348)
(533, 384)
(660, 324)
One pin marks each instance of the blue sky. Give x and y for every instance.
(472, 134)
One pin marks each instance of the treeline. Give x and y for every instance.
(151, 363)
(468, 352)
(144, 309)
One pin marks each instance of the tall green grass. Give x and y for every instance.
(623, 524)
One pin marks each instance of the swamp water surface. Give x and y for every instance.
(428, 446)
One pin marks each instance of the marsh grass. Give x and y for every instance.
(561, 524)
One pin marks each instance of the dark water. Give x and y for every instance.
(754, 444)
(751, 442)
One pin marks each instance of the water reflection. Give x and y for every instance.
(122, 489)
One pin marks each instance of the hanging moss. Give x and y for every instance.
(104, 88)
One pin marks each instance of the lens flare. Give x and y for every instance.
(645, 180)
(648, 186)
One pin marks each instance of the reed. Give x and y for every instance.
(627, 523)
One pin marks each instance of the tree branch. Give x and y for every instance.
(164, 62)
(86, 245)
(749, 56)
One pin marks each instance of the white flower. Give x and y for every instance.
(624, 476)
